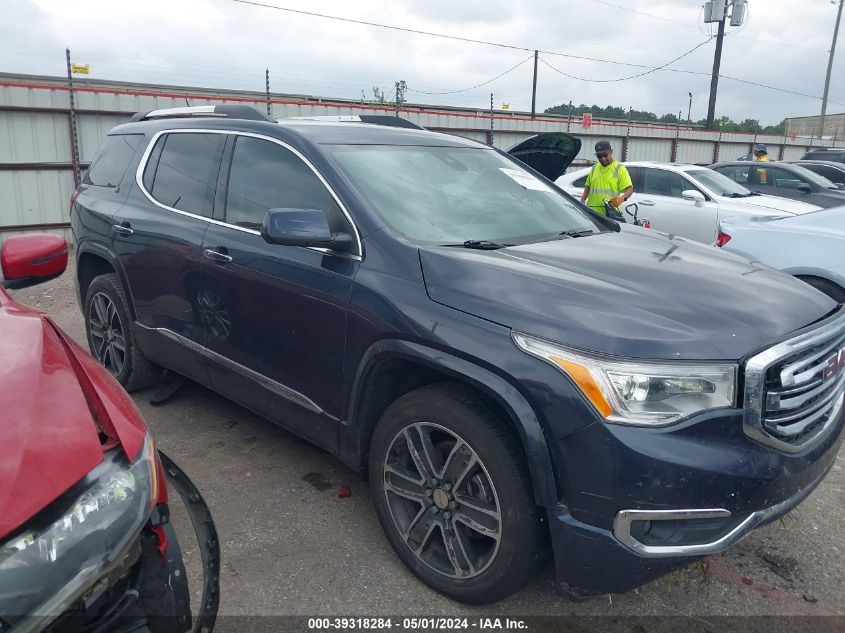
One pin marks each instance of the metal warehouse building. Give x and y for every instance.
(38, 169)
(834, 126)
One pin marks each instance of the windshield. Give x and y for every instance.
(813, 177)
(454, 195)
(718, 183)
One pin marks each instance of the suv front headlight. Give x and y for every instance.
(66, 547)
(640, 393)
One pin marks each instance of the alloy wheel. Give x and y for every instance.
(108, 343)
(442, 500)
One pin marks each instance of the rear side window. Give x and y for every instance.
(580, 182)
(110, 164)
(265, 175)
(182, 171)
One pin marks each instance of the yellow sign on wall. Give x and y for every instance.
(506, 106)
(79, 69)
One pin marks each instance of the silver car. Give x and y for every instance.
(811, 246)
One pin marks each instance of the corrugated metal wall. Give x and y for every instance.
(36, 170)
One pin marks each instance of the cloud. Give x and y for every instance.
(224, 44)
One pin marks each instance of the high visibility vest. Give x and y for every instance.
(606, 183)
(761, 173)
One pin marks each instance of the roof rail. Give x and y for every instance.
(228, 111)
(372, 119)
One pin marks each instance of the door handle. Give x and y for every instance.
(217, 257)
(646, 203)
(121, 229)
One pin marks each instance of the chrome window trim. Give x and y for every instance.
(755, 377)
(268, 383)
(139, 180)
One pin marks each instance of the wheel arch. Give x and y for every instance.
(392, 368)
(94, 260)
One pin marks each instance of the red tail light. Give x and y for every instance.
(722, 239)
(73, 198)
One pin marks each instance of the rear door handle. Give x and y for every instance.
(646, 203)
(120, 229)
(215, 256)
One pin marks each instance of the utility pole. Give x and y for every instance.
(491, 120)
(267, 83)
(74, 137)
(830, 67)
(689, 110)
(534, 88)
(717, 61)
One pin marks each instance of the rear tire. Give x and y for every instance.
(453, 494)
(832, 290)
(109, 333)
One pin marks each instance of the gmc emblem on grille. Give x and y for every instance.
(834, 364)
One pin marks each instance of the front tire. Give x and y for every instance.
(110, 339)
(453, 494)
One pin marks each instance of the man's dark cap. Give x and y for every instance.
(603, 146)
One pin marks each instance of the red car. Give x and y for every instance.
(85, 537)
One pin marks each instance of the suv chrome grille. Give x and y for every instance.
(794, 391)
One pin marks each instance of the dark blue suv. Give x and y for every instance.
(509, 368)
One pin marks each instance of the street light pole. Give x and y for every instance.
(830, 67)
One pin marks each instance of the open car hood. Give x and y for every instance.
(549, 154)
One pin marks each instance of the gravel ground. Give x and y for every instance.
(290, 546)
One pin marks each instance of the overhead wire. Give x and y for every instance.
(484, 83)
(647, 72)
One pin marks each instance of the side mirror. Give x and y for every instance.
(693, 195)
(804, 188)
(27, 260)
(302, 227)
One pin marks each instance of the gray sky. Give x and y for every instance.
(221, 43)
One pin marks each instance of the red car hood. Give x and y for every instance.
(48, 438)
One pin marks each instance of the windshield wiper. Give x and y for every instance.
(577, 232)
(482, 245)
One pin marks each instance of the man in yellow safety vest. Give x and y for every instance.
(607, 180)
(761, 155)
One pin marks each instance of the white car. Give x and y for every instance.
(688, 200)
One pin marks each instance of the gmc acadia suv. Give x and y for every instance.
(508, 367)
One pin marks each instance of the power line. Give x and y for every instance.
(651, 15)
(451, 92)
(651, 70)
(439, 35)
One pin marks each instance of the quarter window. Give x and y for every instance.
(111, 162)
(185, 175)
(264, 175)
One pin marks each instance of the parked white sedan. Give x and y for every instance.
(688, 200)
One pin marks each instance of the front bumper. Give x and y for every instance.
(620, 479)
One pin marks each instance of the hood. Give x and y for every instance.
(549, 154)
(773, 203)
(828, 222)
(635, 293)
(48, 439)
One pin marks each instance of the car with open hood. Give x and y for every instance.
(510, 369)
(86, 541)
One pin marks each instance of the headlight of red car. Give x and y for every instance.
(59, 554)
